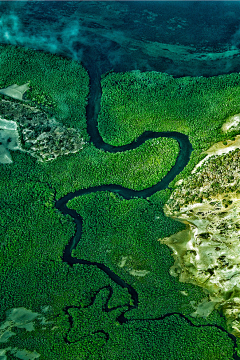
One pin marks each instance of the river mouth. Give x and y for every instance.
(93, 109)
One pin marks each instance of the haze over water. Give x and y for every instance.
(123, 36)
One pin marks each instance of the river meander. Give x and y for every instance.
(182, 160)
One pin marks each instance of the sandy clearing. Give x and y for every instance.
(123, 261)
(232, 122)
(139, 272)
(218, 149)
(15, 91)
(7, 124)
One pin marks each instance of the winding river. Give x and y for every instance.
(93, 109)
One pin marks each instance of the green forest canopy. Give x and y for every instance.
(34, 234)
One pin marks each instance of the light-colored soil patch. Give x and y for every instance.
(123, 261)
(42, 137)
(204, 308)
(3, 355)
(17, 317)
(8, 124)
(15, 91)
(232, 123)
(5, 156)
(207, 252)
(24, 319)
(25, 354)
(218, 149)
(6, 335)
(21, 315)
(139, 272)
(19, 353)
(9, 140)
(124, 264)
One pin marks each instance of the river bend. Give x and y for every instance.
(182, 160)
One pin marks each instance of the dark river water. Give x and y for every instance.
(182, 160)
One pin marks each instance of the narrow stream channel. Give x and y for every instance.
(93, 109)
